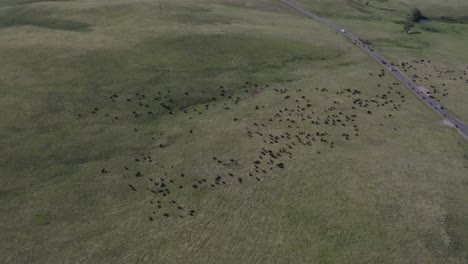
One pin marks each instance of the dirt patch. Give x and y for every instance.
(447, 123)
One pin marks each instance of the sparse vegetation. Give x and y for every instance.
(408, 26)
(449, 19)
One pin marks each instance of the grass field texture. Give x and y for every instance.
(225, 132)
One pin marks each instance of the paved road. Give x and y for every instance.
(433, 104)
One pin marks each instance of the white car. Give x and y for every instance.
(392, 69)
(343, 30)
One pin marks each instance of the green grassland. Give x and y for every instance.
(275, 130)
(441, 40)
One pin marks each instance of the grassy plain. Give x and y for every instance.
(394, 193)
(441, 40)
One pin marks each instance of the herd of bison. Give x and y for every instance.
(296, 125)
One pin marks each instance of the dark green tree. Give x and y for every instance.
(415, 15)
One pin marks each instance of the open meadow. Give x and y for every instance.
(440, 41)
(227, 131)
